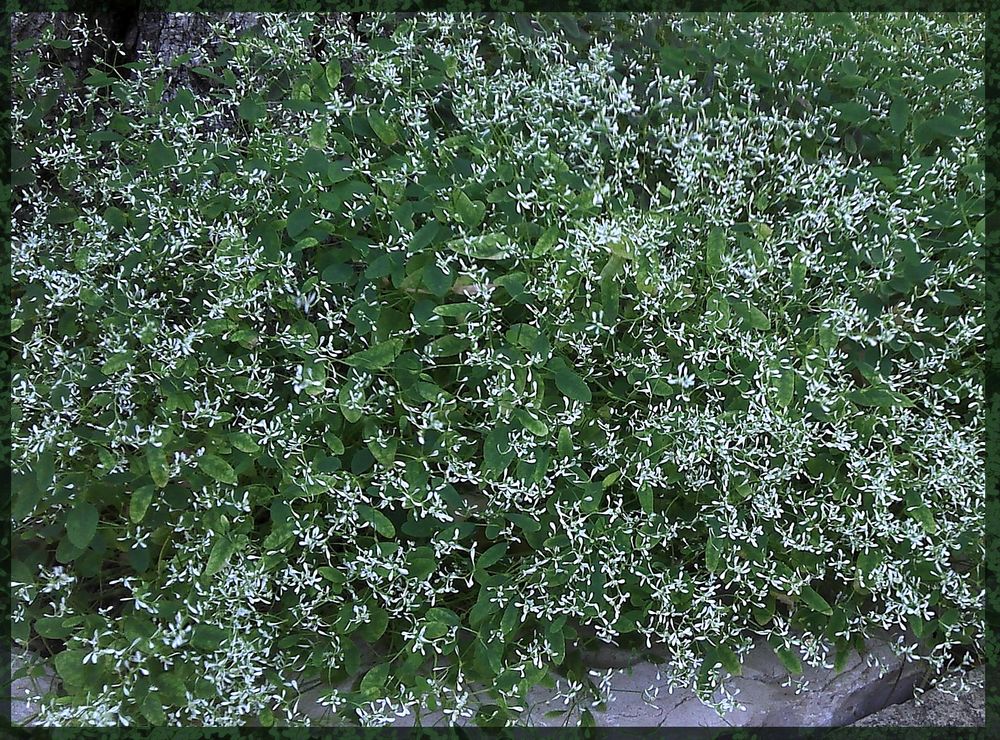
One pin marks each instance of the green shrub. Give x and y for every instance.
(479, 340)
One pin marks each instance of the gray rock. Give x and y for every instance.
(827, 700)
(937, 708)
(31, 677)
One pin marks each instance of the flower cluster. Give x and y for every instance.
(415, 359)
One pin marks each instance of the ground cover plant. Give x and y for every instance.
(469, 341)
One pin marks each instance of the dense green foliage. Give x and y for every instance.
(481, 340)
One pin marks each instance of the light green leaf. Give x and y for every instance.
(790, 660)
(546, 241)
(798, 273)
(116, 363)
(758, 319)
(377, 356)
(374, 681)
(382, 128)
(646, 499)
(70, 666)
(493, 246)
(729, 660)
(219, 555)
(814, 601)
(159, 470)
(244, 442)
(452, 310)
(215, 467)
(139, 503)
(333, 74)
(152, 709)
(470, 212)
(785, 387)
(350, 412)
(714, 250)
(564, 444)
(530, 422)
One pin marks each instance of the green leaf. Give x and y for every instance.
(374, 681)
(53, 627)
(152, 709)
(533, 424)
(447, 346)
(333, 74)
(899, 115)
(918, 510)
(424, 236)
(841, 656)
(557, 641)
(798, 273)
(70, 666)
(116, 363)
(646, 498)
(208, 637)
(81, 523)
(159, 470)
(939, 127)
(571, 384)
(853, 112)
(785, 387)
(215, 467)
(713, 553)
(729, 660)
(814, 601)
(879, 397)
(564, 444)
(485, 247)
(349, 411)
(45, 471)
(758, 319)
(470, 212)
(377, 356)
(827, 337)
(714, 250)
(546, 241)
(61, 215)
(491, 556)
(139, 503)
(497, 450)
(222, 550)
(526, 523)
(378, 520)
(252, 110)
(375, 627)
(453, 310)
(25, 497)
(382, 128)
(790, 660)
(244, 442)
(298, 221)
